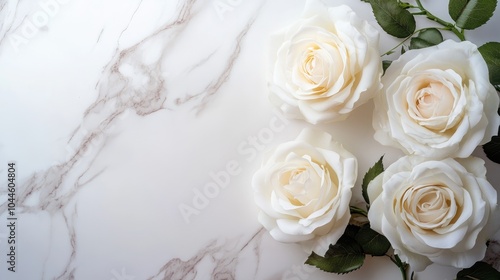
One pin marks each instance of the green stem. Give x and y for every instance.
(392, 259)
(397, 46)
(448, 26)
(405, 5)
(402, 267)
(356, 210)
(406, 39)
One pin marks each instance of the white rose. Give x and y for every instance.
(303, 190)
(437, 102)
(325, 65)
(435, 211)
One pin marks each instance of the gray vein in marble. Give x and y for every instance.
(215, 86)
(223, 256)
(16, 25)
(99, 37)
(129, 22)
(5, 26)
(138, 97)
(202, 62)
(118, 94)
(70, 268)
(3, 23)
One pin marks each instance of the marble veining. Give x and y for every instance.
(224, 257)
(167, 74)
(129, 84)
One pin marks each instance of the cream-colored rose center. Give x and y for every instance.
(306, 185)
(316, 66)
(434, 100)
(302, 185)
(296, 187)
(428, 207)
(313, 67)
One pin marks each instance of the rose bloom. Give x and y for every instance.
(303, 190)
(435, 211)
(325, 65)
(437, 102)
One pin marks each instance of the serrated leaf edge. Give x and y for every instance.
(366, 181)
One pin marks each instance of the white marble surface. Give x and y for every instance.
(119, 113)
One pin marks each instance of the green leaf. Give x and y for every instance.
(343, 257)
(386, 64)
(373, 172)
(372, 242)
(351, 231)
(470, 14)
(491, 54)
(394, 19)
(492, 149)
(479, 270)
(426, 38)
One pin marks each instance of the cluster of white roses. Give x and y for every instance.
(435, 204)
(436, 104)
